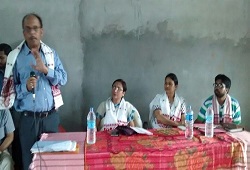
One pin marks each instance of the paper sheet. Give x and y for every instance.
(141, 130)
(53, 146)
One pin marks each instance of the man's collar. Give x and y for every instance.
(26, 49)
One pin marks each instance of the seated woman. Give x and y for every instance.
(115, 111)
(167, 109)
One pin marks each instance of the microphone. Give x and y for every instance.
(32, 74)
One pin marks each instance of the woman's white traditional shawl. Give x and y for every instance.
(114, 116)
(161, 102)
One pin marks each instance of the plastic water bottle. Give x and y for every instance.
(91, 127)
(209, 125)
(189, 123)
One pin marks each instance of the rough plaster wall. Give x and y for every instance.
(184, 19)
(140, 41)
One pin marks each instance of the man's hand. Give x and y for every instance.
(31, 83)
(40, 66)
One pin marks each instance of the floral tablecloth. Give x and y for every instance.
(166, 149)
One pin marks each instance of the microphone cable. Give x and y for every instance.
(36, 129)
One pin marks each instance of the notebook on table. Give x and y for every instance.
(217, 128)
(230, 127)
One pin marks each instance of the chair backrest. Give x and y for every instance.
(145, 125)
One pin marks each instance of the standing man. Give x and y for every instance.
(6, 123)
(226, 108)
(38, 74)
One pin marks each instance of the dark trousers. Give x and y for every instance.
(16, 147)
(30, 130)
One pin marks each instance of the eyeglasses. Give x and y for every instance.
(220, 85)
(118, 88)
(28, 29)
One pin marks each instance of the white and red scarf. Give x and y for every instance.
(161, 101)
(8, 94)
(115, 116)
(227, 110)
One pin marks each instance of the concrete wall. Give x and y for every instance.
(140, 41)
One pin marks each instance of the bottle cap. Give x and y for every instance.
(210, 108)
